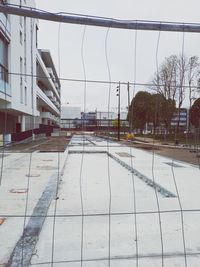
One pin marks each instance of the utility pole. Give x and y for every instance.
(118, 117)
(128, 87)
(130, 122)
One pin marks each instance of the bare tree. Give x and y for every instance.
(172, 76)
(165, 79)
(192, 76)
(180, 77)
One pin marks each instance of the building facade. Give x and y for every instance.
(180, 118)
(29, 85)
(70, 117)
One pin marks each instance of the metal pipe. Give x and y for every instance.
(101, 22)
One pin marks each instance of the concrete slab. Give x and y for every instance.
(23, 182)
(124, 221)
(93, 181)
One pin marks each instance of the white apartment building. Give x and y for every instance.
(29, 85)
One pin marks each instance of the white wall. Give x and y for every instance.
(17, 50)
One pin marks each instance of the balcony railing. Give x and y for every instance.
(46, 115)
(5, 88)
(4, 23)
(45, 98)
(49, 94)
(50, 116)
(47, 74)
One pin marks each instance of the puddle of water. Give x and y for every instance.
(18, 191)
(33, 175)
(47, 167)
(173, 164)
(124, 155)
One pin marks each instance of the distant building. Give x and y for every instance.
(88, 115)
(107, 118)
(89, 119)
(105, 115)
(182, 117)
(70, 116)
(68, 112)
(123, 115)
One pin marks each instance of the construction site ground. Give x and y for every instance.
(52, 205)
(59, 143)
(44, 144)
(177, 152)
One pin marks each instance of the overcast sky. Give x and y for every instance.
(120, 45)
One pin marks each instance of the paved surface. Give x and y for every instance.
(24, 179)
(121, 220)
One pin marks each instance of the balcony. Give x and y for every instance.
(48, 104)
(49, 116)
(49, 94)
(5, 88)
(50, 71)
(5, 24)
(57, 87)
(46, 115)
(56, 119)
(51, 74)
(57, 104)
(54, 100)
(43, 71)
(53, 78)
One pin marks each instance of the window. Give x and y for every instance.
(25, 70)
(25, 95)
(21, 37)
(21, 80)
(36, 36)
(3, 59)
(25, 50)
(24, 29)
(20, 20)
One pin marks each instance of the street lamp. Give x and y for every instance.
(118, 117)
